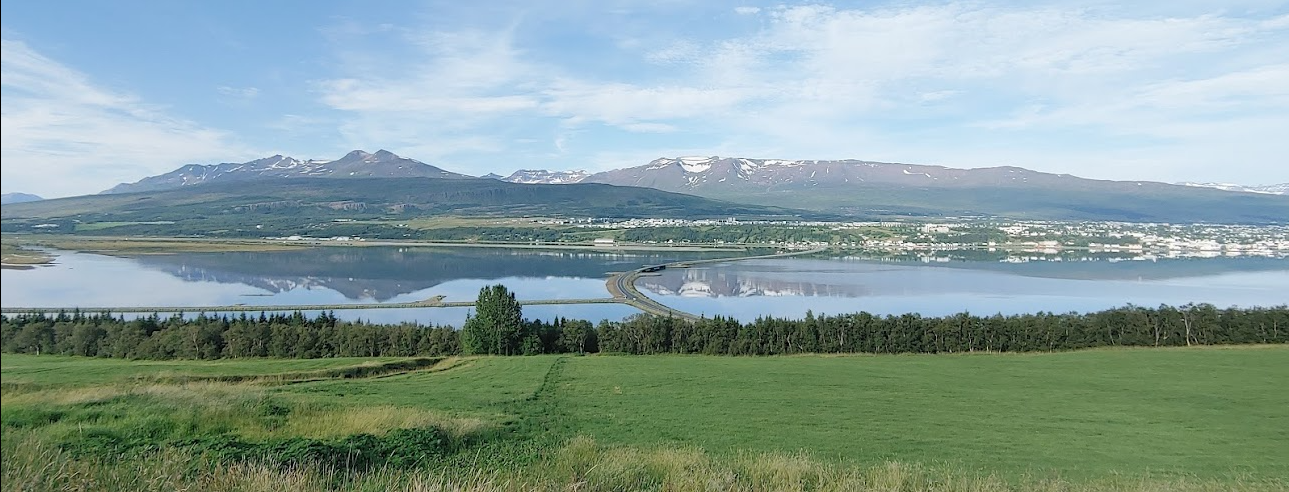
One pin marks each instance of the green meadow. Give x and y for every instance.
(1115, 419)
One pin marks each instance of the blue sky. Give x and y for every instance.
(96, 93)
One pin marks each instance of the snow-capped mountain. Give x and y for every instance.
(874, 189)
(1275, 189)
(356, 164)
(694, 174)
(540, 176)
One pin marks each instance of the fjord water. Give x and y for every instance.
(335, 275)
(788, 287)
(744, 289)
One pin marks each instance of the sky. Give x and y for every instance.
(97, 93)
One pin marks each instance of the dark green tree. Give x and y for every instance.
(497, 326)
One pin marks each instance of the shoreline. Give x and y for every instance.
(168, 245)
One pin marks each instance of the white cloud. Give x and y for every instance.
(64, 135)
(238, 92)
(833, 82)
(627, 105)
(649, 127)
(986, 82)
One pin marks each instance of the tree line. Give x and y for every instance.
(497, 327)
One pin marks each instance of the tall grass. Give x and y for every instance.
(31, 464)
(421, 431)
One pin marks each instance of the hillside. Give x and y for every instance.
(842, 188)
(875, 188)
(8, 198)
(356, 164)
(326, 206)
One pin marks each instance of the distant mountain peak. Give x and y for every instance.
(8, 198)
(542, 176)
(355, 164)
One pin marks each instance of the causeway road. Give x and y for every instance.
(623, 285)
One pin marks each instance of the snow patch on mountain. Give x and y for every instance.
(911, 173)
(542, 176)
(1274, 189)
(695, 166)
(357, 164)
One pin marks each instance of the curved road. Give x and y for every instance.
(623, 285)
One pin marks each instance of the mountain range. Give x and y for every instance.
(334, 202)
(356, 164)
(696, 172)
(541, 176)
(855, 187)
(850, 188)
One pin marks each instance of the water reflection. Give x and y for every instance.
(792, 286)
(332, 276)
(384, 274)
(746, 289)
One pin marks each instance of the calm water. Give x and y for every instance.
(334, 276)
(790, 286)
(745, 290)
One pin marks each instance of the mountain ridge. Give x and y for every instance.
(355, 164)
(15, 197)
(850, 187)
(857, 187)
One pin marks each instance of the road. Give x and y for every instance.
(623, 285)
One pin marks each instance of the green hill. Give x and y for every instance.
(301, 205)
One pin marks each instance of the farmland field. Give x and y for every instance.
(1141, 419)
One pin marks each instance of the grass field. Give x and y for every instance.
(1204, 412)
(58, 371)
(1180, 419)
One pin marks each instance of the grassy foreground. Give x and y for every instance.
(1178, 419)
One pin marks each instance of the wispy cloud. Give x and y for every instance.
(1064, 87)
(238, 92)
(65, 135)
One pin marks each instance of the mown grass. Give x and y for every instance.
(482, 386)
(1204, 412)
(1185, 419)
